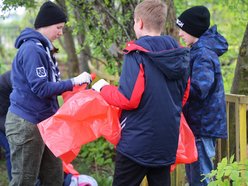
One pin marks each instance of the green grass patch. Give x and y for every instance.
(3, 173)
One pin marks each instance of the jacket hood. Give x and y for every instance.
(30, 34)
(212, 40)
(165, 53)
(173, 63)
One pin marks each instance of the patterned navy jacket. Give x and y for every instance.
(150, 93)
(205, 110)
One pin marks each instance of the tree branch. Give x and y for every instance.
(113, 17)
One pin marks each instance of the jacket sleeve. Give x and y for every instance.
(202, 78)
(131, 85)
(36, 69)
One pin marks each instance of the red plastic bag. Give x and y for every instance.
(84, 117)
(186, 150)
(69, 169)
(68, 94)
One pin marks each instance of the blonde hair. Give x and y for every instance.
(153, 13)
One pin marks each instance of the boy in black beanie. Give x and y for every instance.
(205, 109)
(36, 85)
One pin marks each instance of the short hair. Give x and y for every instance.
(153, 13)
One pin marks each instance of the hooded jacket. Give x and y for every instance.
(205, 110)
(150, 93)
(5, 90)
(35, 90)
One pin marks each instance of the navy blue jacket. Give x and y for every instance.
(150, 94)
(205, 110)
(34, 95)
(5, 90)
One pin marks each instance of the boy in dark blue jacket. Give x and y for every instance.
(36, 85)
(205, 108)
(150, 93)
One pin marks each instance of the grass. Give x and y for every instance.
(101, 173)
(3, 172)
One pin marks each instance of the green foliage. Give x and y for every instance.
(7, 5)
(105, 23)
(228, 74)
(2, 68)
(97, 160)
(229, 172)
(9, 31)
(6, 46)
(3, 176)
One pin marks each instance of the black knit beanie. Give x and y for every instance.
(195, 20)
(49, 14)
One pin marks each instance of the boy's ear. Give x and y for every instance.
(141, 24)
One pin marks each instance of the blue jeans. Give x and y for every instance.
(204, 165)
(4, 143)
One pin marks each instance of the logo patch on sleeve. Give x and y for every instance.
(41, 72)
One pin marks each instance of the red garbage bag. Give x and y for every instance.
(84, 117)
(186, 150)
(69, 169)
(68, 94)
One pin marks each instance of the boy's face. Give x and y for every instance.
(187, 38)
(53, 32)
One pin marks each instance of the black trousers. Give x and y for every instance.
(129, 173)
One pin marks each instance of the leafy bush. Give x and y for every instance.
(229, 173)
(3, 175)
(97, 160)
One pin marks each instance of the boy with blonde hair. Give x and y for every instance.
(150, 93)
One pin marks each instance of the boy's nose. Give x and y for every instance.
(61, 32)
(180, 33)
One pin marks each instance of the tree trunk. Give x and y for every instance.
(72, 59)
(69, 46)
(170, 26)
(239, 85)
(84, 56)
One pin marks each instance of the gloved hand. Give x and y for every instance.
(99, 84)
(82, 78)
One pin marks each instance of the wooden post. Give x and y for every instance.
(242, 134)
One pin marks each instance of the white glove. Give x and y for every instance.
(82, 78)
(99, 84)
